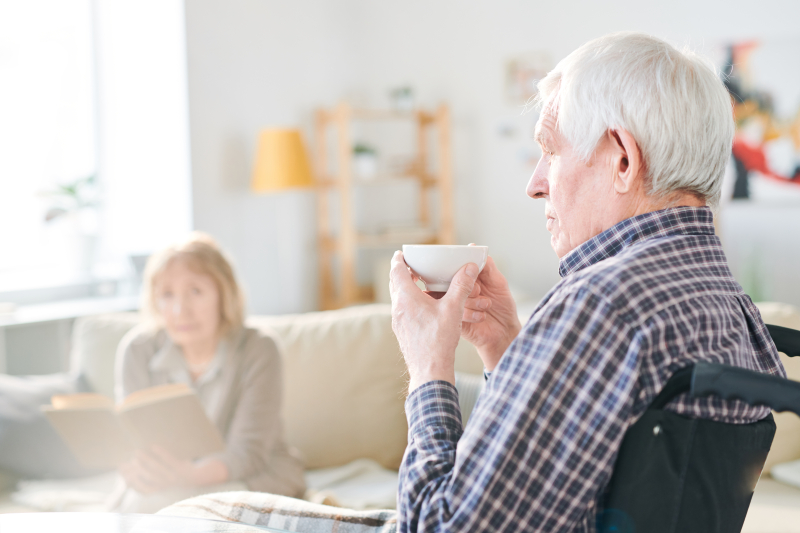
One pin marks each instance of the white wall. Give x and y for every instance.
(252, 64)
(456, 51)
(256, 63)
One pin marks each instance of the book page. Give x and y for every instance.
(155, 394)
(102, 436)
(83, 400)
(179, 424)
(95, 436)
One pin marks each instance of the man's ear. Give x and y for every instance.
(627, 164)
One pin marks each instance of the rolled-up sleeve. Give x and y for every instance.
(541, 441)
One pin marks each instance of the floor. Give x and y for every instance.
(775, 508)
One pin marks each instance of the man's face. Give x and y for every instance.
(578, 195)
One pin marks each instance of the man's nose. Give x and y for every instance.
(538, 186)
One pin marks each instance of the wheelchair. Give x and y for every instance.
(675, 474)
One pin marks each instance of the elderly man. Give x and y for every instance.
(635, 136)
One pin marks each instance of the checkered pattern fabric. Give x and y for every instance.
(636, 303)
(282, 513)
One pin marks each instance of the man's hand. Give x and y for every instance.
(426, 328)
(490, 316)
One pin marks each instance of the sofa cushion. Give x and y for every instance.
(94, 346)
(786, 445)
(343, 379)
(362, 484)
(344, 385)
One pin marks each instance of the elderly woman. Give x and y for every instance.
(195, 335)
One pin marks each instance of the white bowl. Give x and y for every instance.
(436, 264)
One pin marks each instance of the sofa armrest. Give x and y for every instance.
(94, 348)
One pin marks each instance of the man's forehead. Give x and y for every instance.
(550, 106)
(545, 127)
(547, 118)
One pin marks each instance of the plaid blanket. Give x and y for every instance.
(282, 512)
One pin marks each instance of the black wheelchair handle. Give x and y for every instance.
(787, 340)
(735, 383)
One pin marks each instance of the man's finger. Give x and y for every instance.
(478, 304)
(476, 291)
(489, 270)
(462, 284)
(400, 278)
(473, 317)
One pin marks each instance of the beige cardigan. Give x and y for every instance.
(240, 391)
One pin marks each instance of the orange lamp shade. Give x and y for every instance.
(281, 161)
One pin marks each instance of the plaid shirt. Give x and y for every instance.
(636, 303)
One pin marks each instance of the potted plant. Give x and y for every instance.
(75, 203)
(365, 161)
(402, 98)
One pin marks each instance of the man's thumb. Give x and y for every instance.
(462, 284)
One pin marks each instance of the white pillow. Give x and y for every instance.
(786, 445)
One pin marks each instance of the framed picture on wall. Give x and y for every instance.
(760, 205)
(523, 74)
(764, 85)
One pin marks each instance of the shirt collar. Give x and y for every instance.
(169, 359)
(664, 223)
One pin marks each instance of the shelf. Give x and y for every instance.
(379, 114)
(339, 255)
(366, 240)
(423, 236)
(389, 114)
(425, 181)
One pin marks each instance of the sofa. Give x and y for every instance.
(343, 409)
(343, 404)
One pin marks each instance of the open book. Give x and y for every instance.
(102, 435)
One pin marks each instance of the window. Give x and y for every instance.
(47, 138)
(90, 88)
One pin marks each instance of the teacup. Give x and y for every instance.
(436, 264)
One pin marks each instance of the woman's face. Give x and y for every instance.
(189, 304)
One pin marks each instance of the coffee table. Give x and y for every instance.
(119, 523)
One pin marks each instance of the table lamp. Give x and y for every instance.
(281, 161)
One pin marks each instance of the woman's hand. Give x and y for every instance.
(155, 470)
(490, 320)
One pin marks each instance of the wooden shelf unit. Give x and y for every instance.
(336, 293)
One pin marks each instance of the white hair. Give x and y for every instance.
(672, 102)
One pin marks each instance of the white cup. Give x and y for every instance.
(436, 264)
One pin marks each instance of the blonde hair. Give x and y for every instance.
(201, 253)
